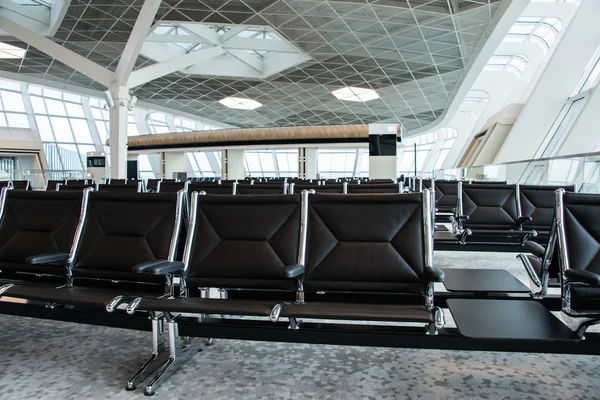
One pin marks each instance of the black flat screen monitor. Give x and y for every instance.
(96, 162)
(383, 145)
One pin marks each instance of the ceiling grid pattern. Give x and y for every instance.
(412, 52)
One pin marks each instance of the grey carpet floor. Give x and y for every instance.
(55, 360)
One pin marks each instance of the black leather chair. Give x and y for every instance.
(52, 184)
(121, 188)
(369, 243)
(36, 223)
(277, 187)
(170, 187)
(226, 187)
(116, 232)
(578, 232)
(372, 188)
(152, 185)
(327, 188)
(21, 185)
(75, 187)
(537, 202)
(446, 194)
(490, 213)
(235, 243)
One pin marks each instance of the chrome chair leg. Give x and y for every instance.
(158, 348)
(179, 352)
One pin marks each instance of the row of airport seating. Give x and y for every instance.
(120, 249)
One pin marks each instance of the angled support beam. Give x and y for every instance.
(38, 14)
(248, 59)
(233, 31)
(207, 34)
(62, 54)
(258, 44)
(174, 38)
(157, 70)
(136, 40)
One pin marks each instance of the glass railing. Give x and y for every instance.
(38, 177)
(583, 170)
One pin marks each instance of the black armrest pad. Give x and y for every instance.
(590, 278)
(51, 258)
(159, 267)
(524, 219)
(293, 271)
(535, 248)
(434, 274)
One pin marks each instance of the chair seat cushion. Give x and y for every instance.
(77, 296)
(197, 305)
(361, 312)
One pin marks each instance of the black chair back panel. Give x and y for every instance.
(269, 188)
(330, 188)
(446, 193)
(358, 242)
(171, 187)
(118, 188)
(245, 241)
(582, 230)
(37, 223)
(537, 202)
(373, 188)
(21, 185)
(211, 188)
(123, 230)
(490, 206)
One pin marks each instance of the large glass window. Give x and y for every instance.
(158, 123)
(451, 135)
(12, 108)
(63, 128)
(406, 154)
(271, 163)
(541, 31)
(336, 163)
(201, 165)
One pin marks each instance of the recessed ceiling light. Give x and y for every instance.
(10, 51)
(240, 103)
(355, 94)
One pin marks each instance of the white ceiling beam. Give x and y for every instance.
(174, 38)
(157, 70)
(60, 53)
(208, 35)
(39, 14)
(248, 59)
(232, 32)
(259, 44)
(136, 40)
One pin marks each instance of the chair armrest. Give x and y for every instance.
(293, 271)
(535, 248)
(50, 258)
(522, 220)
(462, 217)
(159, 267)
(578, 276)
(434, 274)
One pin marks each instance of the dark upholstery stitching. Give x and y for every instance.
(330, 250)
(575, 219)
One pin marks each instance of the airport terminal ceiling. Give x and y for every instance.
(412, 53)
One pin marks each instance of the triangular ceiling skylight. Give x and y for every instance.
(246, 51)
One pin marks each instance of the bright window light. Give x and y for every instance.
(240, 103)
(355, 94)
(9, 51)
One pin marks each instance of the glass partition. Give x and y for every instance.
(583, 170)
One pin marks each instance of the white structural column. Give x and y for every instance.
(172, 162)
(555, 86)
(309, 161)
(118, 114)
(233, 164)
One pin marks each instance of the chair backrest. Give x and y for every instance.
(488, 182)
(21, 185)
(121, 230)
(367, 242)
(242, 241)
(78, 182)
(170, 187)
(580, 228)
(211, 188)
(260, 188)
(119, 188)
(373, 188)
(489, 206)
(327, 188)
(73, 187)
(51, 184)
(537, 202)
(37, 222)
(446, 193)
(152, 184)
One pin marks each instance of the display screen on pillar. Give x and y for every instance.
(96, 162)
(132, 169)
(383, 145)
